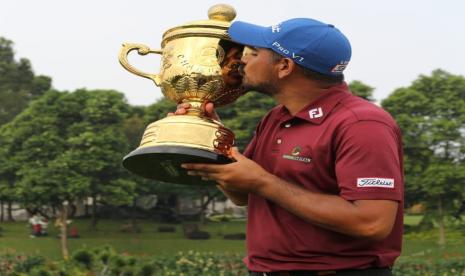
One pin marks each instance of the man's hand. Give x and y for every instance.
(244, 175)
(208, 109)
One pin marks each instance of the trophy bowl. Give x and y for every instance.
(199, 64)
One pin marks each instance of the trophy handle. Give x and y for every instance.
(141, 50)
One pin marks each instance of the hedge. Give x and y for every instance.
(106, 261)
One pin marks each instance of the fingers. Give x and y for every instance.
(209, 108)
(202, 167)
(204, 175)
(184, 105)
(210, 111)
(182, 108)
(205, 171)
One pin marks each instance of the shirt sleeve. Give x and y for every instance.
(369, 162)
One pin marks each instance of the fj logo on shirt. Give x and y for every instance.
(315, 113)
(295, 155)
(375, 182)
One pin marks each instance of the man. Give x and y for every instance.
(322, 176)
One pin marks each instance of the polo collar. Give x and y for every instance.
(318, 110)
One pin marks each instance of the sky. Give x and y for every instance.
(76, 43)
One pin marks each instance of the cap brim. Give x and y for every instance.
(248, 34)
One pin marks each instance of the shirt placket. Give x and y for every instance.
(281, 135)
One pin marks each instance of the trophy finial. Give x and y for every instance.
(222, 12)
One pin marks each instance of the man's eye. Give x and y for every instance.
(250, 51)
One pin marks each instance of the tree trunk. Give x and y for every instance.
(204, 204)
(94, 213)
(203, 221)
(86, 210)
(2, 218)
(133, 216)
(64, 231)
(442, 230)
(10, 211)
(72, 210)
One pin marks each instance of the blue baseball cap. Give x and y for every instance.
(312, 44)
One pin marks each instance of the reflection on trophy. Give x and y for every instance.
(199, 65)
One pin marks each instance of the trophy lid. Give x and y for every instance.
(220, 17)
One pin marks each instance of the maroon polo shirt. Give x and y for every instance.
(341, 145)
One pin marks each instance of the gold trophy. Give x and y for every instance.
(199, 65)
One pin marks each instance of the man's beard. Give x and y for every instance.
(267, 88)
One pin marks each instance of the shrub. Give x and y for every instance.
(84, 258)
(455, 266)
(198, 235)
(106, 261)
(11, 264)
(237, 236)
(166, 229)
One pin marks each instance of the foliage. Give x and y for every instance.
(244, 114)
(11, 263)
(158, 110)
(362, 90)
(105, 261)
(67, 146)
(431, 114)
(451, 266)
(18, 84)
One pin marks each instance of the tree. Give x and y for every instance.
(362, 90)
(7, 175)
(101, 132)
(67, 147)
(134, 127)
(18, 84)
(431, 114)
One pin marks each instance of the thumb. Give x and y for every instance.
(236, 155)
(211, 112)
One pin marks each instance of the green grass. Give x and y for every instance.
(412, 219)
(150, 242)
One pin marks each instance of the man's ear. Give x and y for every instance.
(285, 67)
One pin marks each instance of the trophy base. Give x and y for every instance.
(163, 163)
